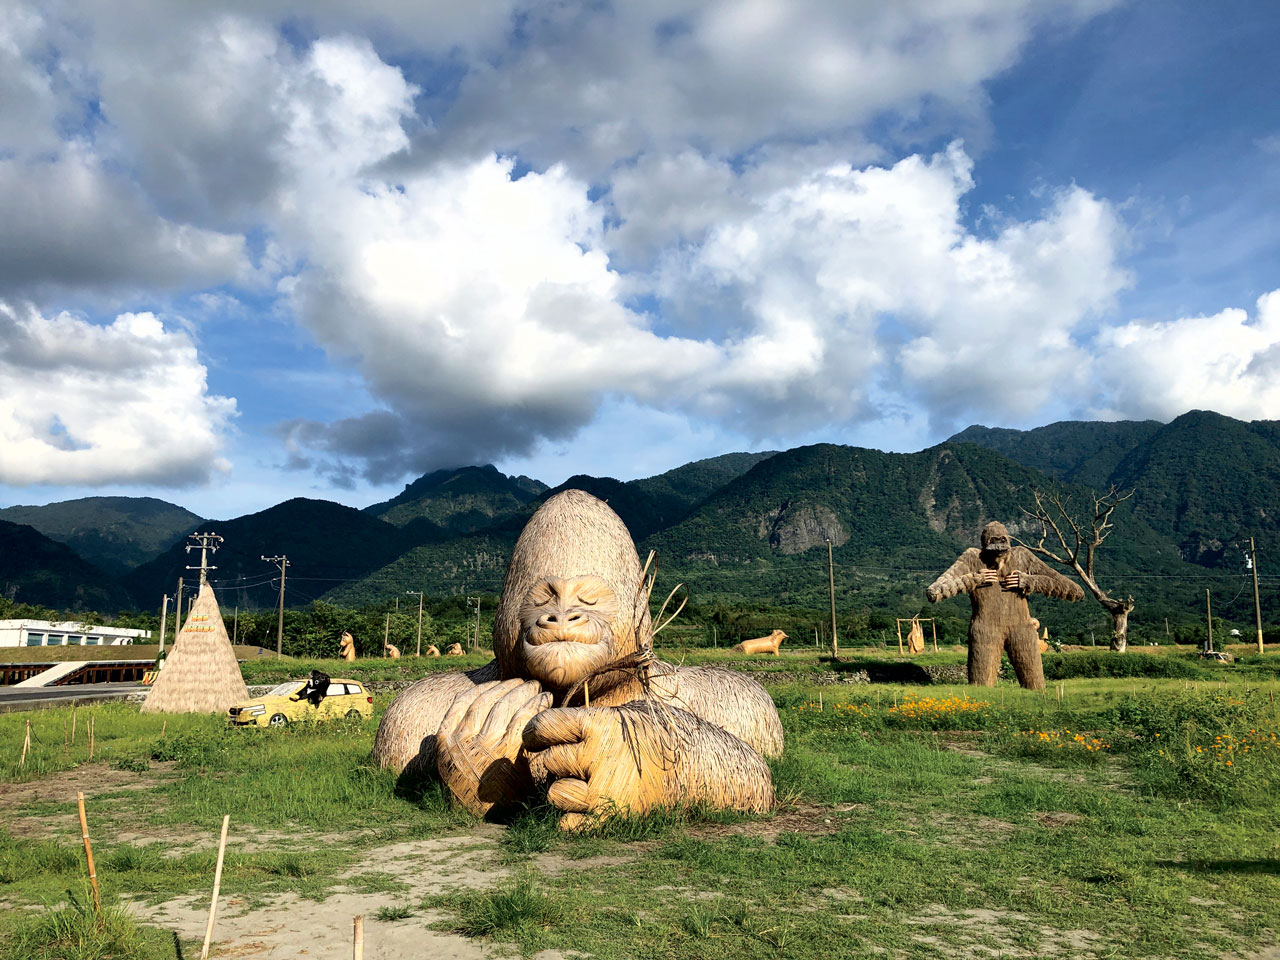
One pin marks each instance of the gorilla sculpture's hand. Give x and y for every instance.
(1014, 582)
(635, 757)
(478, 746)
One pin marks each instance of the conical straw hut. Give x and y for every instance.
(201, 674)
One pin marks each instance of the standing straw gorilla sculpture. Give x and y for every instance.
(574, 699)
(998, 578)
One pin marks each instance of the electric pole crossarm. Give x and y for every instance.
(206, 543)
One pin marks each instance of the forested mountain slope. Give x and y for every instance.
(115, 533)
(37, 570)
(1205, 481)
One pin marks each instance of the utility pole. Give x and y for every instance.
(235, 626)
(164, 620)
(1208, 615)
(206, 543)
(177, 613)
(386, 632)
(831, 580)
(476, 644)
(419, 593)
(1257, 604)
(283, 561)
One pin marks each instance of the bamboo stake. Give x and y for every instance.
(88, 855)
(586, 702)
(217, 882)
(820, 701)
(357, 938)
(163, 727)
(26, 745)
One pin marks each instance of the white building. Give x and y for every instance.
(44, 633)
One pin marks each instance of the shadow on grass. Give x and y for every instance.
(878, 671)
(1224, 866)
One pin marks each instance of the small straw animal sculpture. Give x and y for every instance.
(769, 644)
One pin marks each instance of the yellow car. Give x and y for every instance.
(288, 703)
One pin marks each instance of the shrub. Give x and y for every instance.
(1218, 748)
(200, 747)
(1068, 666)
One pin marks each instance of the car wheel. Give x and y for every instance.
(278, 720)
(353, 714)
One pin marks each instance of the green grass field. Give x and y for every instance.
(1135, 817)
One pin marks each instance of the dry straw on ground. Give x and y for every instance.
(201, 675)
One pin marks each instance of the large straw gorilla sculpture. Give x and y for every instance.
(998, 578)
(574, 610)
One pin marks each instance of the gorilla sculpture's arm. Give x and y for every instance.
(1033, 575)
(963, 576)
(639, 756)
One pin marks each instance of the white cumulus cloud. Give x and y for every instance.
(1226, 362)
(84, 403)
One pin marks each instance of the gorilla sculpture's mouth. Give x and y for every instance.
(574, 628)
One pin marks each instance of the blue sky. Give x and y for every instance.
(255, 251)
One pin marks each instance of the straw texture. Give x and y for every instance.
(633, 758)
(769, 644)
(200, 675)
(406, 738)
(998, 579)
(574, 612)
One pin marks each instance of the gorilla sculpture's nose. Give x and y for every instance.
(564, 622)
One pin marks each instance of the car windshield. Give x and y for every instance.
(293, 686)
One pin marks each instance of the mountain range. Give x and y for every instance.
(746, 528)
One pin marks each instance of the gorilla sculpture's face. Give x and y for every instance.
(995, 538)
(566, 629)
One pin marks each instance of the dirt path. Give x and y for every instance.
(289, 926)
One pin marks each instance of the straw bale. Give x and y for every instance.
(200, 674)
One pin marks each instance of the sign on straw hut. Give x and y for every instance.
(201, 674)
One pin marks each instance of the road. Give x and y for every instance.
(37, 698)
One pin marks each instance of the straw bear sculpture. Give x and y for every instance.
(574, 701)
(998, 578)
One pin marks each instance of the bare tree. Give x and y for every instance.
(1075, 543)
